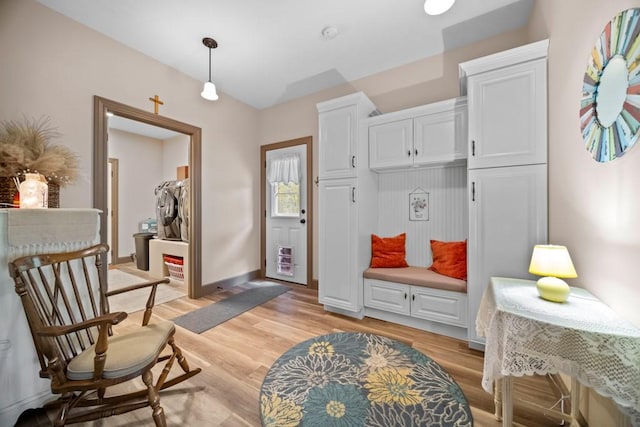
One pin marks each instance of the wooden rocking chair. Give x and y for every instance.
(66, 304)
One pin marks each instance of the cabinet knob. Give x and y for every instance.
(416, 151)
(473, 147)
(409, 153)
(405, 295)
(302, 221)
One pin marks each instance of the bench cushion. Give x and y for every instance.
(417, 276)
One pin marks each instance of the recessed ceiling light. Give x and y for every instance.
(329, 32)
(437, 7)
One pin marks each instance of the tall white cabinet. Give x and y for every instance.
(507, 162)
(347, 203)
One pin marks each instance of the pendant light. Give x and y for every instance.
(437, 7)
(209, 90)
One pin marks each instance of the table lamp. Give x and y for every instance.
(553, 263)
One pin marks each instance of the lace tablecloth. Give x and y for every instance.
(582, 337)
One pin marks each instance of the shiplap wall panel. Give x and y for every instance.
(448, 208)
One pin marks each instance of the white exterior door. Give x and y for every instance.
(286, 221)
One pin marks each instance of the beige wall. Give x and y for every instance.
(592, 206)
(53, 66)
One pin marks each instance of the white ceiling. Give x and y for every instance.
(272, 51)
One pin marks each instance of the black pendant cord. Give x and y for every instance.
(209, 64)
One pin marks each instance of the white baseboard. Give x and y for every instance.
(425, 325)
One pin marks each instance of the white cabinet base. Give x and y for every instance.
(355, 314)
(434, 310)
(412, 322)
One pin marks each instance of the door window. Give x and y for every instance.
(285, 200)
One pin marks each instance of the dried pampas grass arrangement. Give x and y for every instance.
(26, 146)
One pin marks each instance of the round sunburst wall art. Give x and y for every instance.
(610, 106)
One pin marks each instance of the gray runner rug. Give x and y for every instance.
(212, 315)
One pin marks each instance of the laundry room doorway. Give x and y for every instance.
(133, 187)
(286, 211)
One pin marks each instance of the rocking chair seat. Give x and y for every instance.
(128, 353)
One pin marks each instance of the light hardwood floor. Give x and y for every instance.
(236, 355)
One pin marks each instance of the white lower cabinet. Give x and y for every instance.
(507, 218)
(436, 305)
(337, 233)
(387, 296)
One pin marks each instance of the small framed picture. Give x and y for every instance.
(419, 206)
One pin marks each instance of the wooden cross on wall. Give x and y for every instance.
(156, 101)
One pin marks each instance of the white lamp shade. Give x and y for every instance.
(209, 92)
(437, 7)
(552, 260)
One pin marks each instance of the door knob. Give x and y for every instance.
(302, 221)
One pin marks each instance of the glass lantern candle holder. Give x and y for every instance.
(34, 192)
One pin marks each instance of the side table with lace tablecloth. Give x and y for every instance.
(582, 338)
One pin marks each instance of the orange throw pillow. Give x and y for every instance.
(449, 259)
(388, 252)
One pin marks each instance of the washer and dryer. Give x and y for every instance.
(172, 210)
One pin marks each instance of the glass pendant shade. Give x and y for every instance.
(209, 91)
(437, 7)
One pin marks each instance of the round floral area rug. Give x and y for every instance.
(358, 379)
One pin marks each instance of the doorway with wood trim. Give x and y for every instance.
(286, 211)
(112, 211)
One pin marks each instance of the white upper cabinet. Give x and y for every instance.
(507, 107)
(391, 145)
(338, 122)
(338, 139)
(429, 135)
(440, 137)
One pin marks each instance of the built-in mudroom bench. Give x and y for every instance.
(390, 174)
(417, 297)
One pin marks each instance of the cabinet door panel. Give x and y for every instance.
(391, 144)
(440, 138)
(338, 244)
(507, 217)
(508, 116)
(338, 146)
(388, 296)
(439, 306)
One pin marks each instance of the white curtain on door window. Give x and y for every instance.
(285, 169)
